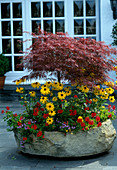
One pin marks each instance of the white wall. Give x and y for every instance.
(107, 23)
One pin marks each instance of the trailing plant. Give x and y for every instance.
(114, 34)
(4, 64)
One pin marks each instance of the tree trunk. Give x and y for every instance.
(58, 76)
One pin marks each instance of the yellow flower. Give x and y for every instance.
(44, 86)
(18, 82)
(95, 100)
(110, 84)
(74, 84)
(106, 96)
(116, 82)
(102, 97)
(67, 88)
(97, 87)
(43, 99)
(68, 93)
(61, 95)
(85, 89)
(49, 120)
(66, 130)
(51, 94)
(20, 90)
(92, 74)
(60, 86)
(83, 70)
(96, 92)
(103, 107)
(35, 85)
(54, 99)
(48, 83)
(106, 83)
(45, 91)
(109, 90)
(55, 84)
(111, 99)
(102, 91)
(52, 113)
(50, 106)
(32, 93)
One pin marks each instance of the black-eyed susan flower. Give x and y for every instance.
(45, 91)
(95, 100)
(35, 85)
(54, 99)
(32, 93)
(48, 83)
(68, 93)
(60, 86)
(85, 89)
(55, 84)
(49, 120)
(43, 99)
(96, 92)
(44, 86)
(20, 89)
(109, 90)
(52, 113)
(61, 95)
(50, 106)
(111, 99)
(18, 82)
(67, 88)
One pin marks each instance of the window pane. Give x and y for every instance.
(78, 8)
(78, 26)
(17, 28)
(5, 10)
(90, 7)
(17, 60)
(59, 9)
(6, 46)
(35, 12)
(90, 26)
(18, 46)
(91, 38)
(10, 63)
(59, 26)
(48, 26)
(35, 26)
(6, 28)
(17, 10)
(47, 9)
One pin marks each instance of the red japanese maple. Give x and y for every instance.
(83, 60)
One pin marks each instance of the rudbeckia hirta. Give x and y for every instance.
(20, 90)
(49, 120)
(50, 106)
(61, 95)
(45, 91)
(52, 113)
(43, 99)
(85, 89)
(109, 90)
(68, 93)
(32, 93)
(111, 99)
(35, 85)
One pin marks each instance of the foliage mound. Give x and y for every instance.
(83, 60)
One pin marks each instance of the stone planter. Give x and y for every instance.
(92, 142)
(2, 81)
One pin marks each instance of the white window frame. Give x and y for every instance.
(27, 26)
